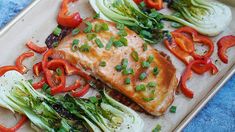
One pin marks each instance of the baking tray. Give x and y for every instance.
(38, 20)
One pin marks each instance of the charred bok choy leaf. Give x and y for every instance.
(127, 12)
(18, 95)
(66, 113)
(207, 17)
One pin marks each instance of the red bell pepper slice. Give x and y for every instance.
(20, 59)
(187, 74)
(5, 69)
(16, 127)
(192, 33)
(81, 92)
(39, 84)
(68, 20)
(36, 48)
(223, 44)
(156, 4)
(37, 68)
(138, 1)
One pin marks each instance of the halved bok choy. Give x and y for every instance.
(66, 113)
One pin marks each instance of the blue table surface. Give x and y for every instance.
(217, 116)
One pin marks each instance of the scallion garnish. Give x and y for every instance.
(150, 58)
(88, 28)
(105, 26)
(128, 71)
(85, 48)
(93, 99)
(57, 31)
(75, 31)
(124, 41)
(75, 42)
(30, 81)
(145, 46)
(118, 68)
(157, 128)
(102, 63)
(110, 43)
(143, 76)
(99, 43)
(151, 84)
(91, 36)
(148, 99)
(140, 87)
(96, 16)
(117, 44)
(155, 71)
(58, 71)
(173, 109)
(124, 63)
(145, 64)
(127, 80)
(135, 56)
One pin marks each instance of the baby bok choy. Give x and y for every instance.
(207, 17)
(127, 12)
(66, 113)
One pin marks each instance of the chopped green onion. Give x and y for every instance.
(57, 31)
(157, 128)
(128, 71)
(110, 43)
(75, 31)
(85, 48)
(102, 63)
(118, 68)
(150, 58)
(96, 16)
(135, 56)
(151, 84)
(120, 26)
(155, 71)
(124, 63)
(88, 28)
(142, 4)
(154, 14)
(98, 28)
(145, 46)
(143, 76)
(122, 33)
(75, 42)
(99, 43)
(146, 34)
(173, 109)
(127, 80)
(145, 64)
(45, 88)
(30, 81)
(91, 36)
(117, 44)
(105, 26)
(58, 71)
(93, 99)
(55, 44)
(140, 87)
(124, 41)
(148, 99)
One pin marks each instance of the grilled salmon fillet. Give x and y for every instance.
(153, 91)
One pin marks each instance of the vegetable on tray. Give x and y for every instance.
(66, 113)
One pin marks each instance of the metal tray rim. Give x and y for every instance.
(187, 118)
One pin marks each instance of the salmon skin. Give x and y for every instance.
(153, 91)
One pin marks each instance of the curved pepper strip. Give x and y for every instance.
(68, 21)
(81, 92)
(197, 38)
(223, 44)
(5, 69)
(20, 59)
(156, 4)
(16, 127)
(187, 74)
(36, 48)
(37, 68)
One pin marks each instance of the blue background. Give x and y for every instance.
(218, 115)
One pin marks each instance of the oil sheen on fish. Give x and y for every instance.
(152, 85)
